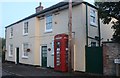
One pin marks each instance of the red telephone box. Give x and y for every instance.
(61, 52)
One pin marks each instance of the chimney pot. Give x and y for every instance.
(40, 3)
(39, 8)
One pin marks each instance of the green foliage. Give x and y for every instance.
(2, 46)
(3, 42)
(108, 11)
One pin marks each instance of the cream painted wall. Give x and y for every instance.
(37, 42)
(61, 26)
(18, 39)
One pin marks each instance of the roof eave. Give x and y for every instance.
(49, 9)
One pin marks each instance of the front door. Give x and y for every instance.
(17, 55)
(44, 56)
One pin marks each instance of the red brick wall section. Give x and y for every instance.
(110, 52)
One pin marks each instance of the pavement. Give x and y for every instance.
(9, 70)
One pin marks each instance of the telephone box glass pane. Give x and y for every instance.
(44, 51)
(58, 53)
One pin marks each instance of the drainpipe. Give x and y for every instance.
(99, 29)
(86, 25)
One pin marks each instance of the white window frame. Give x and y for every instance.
(48, 30)
(93, 45)
(93, 14)
(10, 55)
(11, 32)
(24, 27)
(23, 56)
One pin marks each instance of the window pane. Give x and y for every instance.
(48, 22)
(94, 19)
(11, 32)
(48, 26)
(25, 47)
(93, 44)
(92, 12)
(26, 27)
(11, 49)
(49, 18)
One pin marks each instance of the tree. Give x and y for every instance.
(3, 43)
(109, 11)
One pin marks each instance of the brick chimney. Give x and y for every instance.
(39, 8)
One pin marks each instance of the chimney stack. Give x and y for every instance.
(39, 8)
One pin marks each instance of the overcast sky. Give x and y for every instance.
(14, 10)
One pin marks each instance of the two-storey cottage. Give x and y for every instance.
(28, 40)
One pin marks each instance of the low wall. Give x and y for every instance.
(111, 51)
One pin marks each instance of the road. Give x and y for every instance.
(11, 69)
(23, 70)
(3, 72)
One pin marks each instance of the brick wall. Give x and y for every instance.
(111, 51)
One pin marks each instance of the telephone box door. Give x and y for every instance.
(61, 52)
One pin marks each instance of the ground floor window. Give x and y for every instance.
(93, 44)
(25, 46)
(11, 50)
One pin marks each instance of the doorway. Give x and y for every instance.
(17, 55)
(44, 56)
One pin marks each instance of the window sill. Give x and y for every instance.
(10, 56)
(10, 37)
(48, 31)
(26, 34)
(25, 57)
(93, 24)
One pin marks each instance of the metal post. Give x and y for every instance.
(70, 37)
(117, 69)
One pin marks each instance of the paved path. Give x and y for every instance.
(22, 70)
(6, 73)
